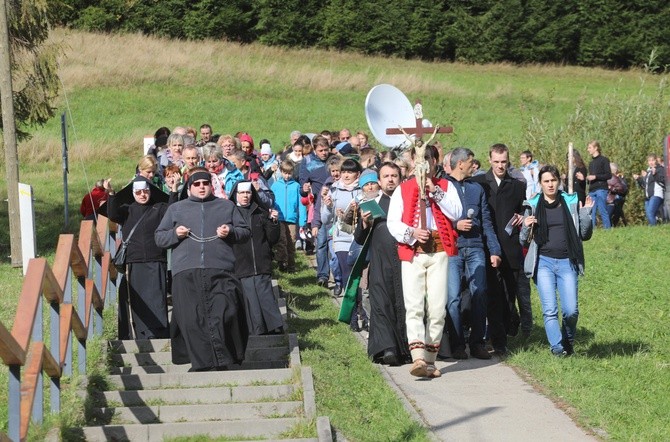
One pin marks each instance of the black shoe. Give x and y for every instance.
(514, 328)
(390, 358)
(459, 353)
(282, 266)
(322, 282)
(561, 354)
(337, 290)
(366, 325)
(354, 327)
(479, 351)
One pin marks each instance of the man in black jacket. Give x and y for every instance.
(599, 173)
(505, 196)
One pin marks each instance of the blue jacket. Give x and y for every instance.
(232, 177)
(473, 199)
(287, 200)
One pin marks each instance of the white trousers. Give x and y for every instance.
(424, 286)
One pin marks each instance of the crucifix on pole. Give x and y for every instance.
(420, 164)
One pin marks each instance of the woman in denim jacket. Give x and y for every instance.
(553, 228)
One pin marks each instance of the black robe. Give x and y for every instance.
(387, 307)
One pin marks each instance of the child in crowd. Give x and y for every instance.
(238, 159)
(287, 202)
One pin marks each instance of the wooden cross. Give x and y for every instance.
(418, 130)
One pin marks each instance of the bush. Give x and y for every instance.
(628, 130)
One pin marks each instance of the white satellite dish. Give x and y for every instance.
(386, 107)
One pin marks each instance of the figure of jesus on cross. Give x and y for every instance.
(420, 164)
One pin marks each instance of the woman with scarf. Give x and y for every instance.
(554, 227)
(253, 261)
(208, 326)
(339, 207)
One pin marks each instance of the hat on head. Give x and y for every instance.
(266, 149)
(368, 176)
(344, 148)
(199, 175)
(247, 138)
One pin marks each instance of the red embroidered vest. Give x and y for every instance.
(411, 216)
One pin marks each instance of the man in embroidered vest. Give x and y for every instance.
(425, 238)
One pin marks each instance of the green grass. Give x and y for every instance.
(344, 378)
(614, 383)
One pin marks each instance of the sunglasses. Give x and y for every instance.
(200, 183)
(141, 191)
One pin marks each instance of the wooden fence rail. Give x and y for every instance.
(83, 267)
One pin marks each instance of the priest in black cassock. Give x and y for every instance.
(209, 327)
(387, 342)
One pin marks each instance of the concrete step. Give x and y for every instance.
(181, 396)
(242, 429)
(165, 358)
(159, 345)
(194, 413)
(201, 379)
(155, 369)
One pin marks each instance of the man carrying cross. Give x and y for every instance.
(423, 228)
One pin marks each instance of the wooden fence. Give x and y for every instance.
(81, 268)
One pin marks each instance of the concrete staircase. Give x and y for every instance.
(147, 398)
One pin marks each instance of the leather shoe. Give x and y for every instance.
(479, 352)
(337, 290)
(432, 371)
(322, 282)
(419, 368)
(459, 353)
(390, 358)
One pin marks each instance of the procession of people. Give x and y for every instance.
(430, 255)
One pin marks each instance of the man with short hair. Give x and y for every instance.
(201, 230)
(191, 160)
(505, 196)
(313, 174)
(476, 236)
(205, 135)
(599, 173)
(387, 342)
(425, 235)
(345, 135)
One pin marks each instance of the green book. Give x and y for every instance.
(372, 207)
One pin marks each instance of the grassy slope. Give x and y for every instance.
(121, 88)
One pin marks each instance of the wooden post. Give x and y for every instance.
(571, 164)
(9, 138)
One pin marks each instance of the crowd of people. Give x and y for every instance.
(432, 254)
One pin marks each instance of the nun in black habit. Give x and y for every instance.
(253, 260)
(208, 327)
(139, 208)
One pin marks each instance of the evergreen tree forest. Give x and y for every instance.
(606, 33)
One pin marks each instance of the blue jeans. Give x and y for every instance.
(471, 263)
(334, 264)
(651, 207)
(322, 267)
(552, 275)
(599, 198)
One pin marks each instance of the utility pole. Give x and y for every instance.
(9, 137)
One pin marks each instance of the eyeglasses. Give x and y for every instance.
(141, 191)
(200, 183)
